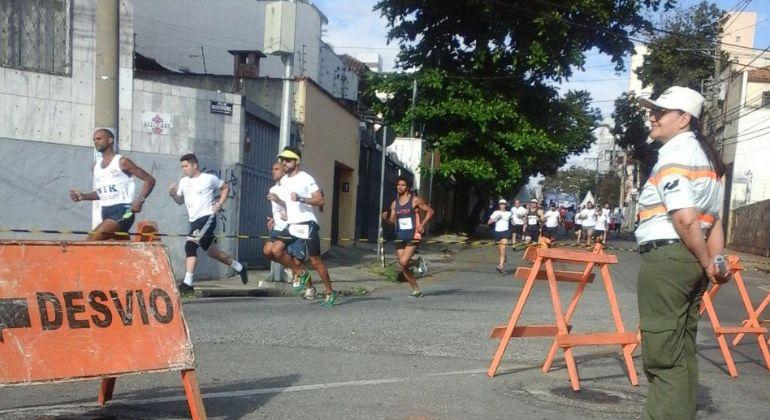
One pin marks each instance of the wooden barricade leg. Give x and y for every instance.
(561, 324)
(760, 310)
(570, 311)
(628, 348)
(753, 322)
(712, 291)
(194, 400)
(708, 306)
(105, 391)
(506, 338)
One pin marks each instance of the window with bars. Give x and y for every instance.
(36, 35)
(766, 99)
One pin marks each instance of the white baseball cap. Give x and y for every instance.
(677, 97)
(502, 201)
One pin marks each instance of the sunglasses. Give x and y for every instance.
(283, 159)
(658, 113)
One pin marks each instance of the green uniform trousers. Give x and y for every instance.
(671, 285)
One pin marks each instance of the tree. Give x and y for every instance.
(631, 132)
(485, 70)
(683, 55)
(576, 180)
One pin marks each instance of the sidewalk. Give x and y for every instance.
(353, 270)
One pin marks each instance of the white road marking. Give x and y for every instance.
(246, 392)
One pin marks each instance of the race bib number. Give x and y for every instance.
(300, 231)
(405, 223)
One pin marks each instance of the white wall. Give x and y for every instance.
(173, 33)
(60, 109)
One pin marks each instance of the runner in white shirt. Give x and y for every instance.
(552, 220)
(300, 194)
(501, 219)
(278, 223)
(518, 212)
(602, 222)
(588, 221)
(197, 190)
(114, 180)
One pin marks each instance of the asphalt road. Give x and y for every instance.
(389, 356)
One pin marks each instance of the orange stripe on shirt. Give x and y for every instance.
(687, 173)
(649, 212)
(707, 218)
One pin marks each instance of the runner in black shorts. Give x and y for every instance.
(114, 180)
(404, 214)
(196, 190)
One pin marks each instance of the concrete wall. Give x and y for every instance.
(213, 137)
(40, 176)
(750, 228)
(60, 109)
(329, 136)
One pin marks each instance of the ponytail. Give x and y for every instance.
(707, 144)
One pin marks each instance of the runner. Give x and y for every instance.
(196, 190)
(278, 226)
(588, 222)
(534, 219)
(569, 220)
(552, 220)
(602, 223)
(501, 218)
(617, 221)
(404, 214)
(578, 224)
(518, 211)
(605, 217)
(301, 194)
(114, 181)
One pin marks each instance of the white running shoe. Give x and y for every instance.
(309, 293)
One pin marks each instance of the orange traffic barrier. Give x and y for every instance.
(542, 269)
(146, 231)
(85, 310)
(758, 313)
(750, 326)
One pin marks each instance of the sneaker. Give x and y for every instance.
(416, 294)
(301, 281)
(309, 293)
(499, 269)
(244, 273)
(185, 290)
(330, 300)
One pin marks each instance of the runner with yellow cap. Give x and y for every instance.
(300, 194)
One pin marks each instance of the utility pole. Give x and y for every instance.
(288, 76)
(280, 33)
(203, 57)
(107, 60)
(106, 88)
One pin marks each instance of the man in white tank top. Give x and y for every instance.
(114, 181)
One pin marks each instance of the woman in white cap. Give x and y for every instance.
(679, 236)
(501, 218)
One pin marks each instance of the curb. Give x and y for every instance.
(272, 290)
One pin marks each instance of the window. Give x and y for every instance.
(766, 99)
(737, 38)
(35, 35)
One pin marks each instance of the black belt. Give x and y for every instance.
(649, 246)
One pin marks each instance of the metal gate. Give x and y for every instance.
(255, 184)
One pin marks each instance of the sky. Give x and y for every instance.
(354, 28)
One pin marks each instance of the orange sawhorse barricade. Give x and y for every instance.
(750, 326)
(75, 310)
(758, 313)
(542, 269)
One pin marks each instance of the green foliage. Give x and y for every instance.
(684, 60)
(484, 70)
(579, 181)
(631, 132)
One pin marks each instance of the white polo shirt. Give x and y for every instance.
(682, 178)
(502, 220)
